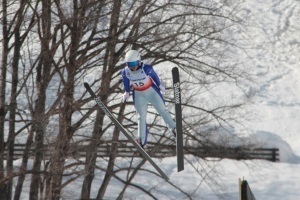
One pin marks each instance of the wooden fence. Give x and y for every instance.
(126, 149)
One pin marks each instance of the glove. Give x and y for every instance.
(162, 89)
(125, 97)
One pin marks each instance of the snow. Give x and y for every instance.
(276, 105)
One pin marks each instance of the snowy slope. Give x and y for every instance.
(277, 99)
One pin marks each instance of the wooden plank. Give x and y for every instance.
(158, 151)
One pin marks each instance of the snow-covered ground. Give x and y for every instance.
(276, 107)
(277, 100)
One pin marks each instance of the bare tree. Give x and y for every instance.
(12, 32)
(42, 81)
(68, 41)
(3, 68)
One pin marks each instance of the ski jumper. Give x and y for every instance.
(145, 83)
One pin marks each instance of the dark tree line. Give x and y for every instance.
(50, 47)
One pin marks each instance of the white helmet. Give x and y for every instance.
(131, 57)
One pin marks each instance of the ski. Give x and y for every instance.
(123, 130)
(178, 118)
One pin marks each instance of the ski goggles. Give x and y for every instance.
(133, 64)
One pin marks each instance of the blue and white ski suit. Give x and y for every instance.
(145, 83)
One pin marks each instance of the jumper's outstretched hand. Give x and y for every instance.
(125, 97)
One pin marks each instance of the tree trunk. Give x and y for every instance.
(13, 108)
(23, 167)
(5, 50)
(42, 78)
(91, 156)
(5, 41)
(109, 63)
(66, 131)
(111, 163)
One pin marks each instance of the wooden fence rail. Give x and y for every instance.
(126, 149)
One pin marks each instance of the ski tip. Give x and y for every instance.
(86, 85)
(175, 69)
(180, 169)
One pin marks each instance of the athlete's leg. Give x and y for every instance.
(156, 100)
(140, 104)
